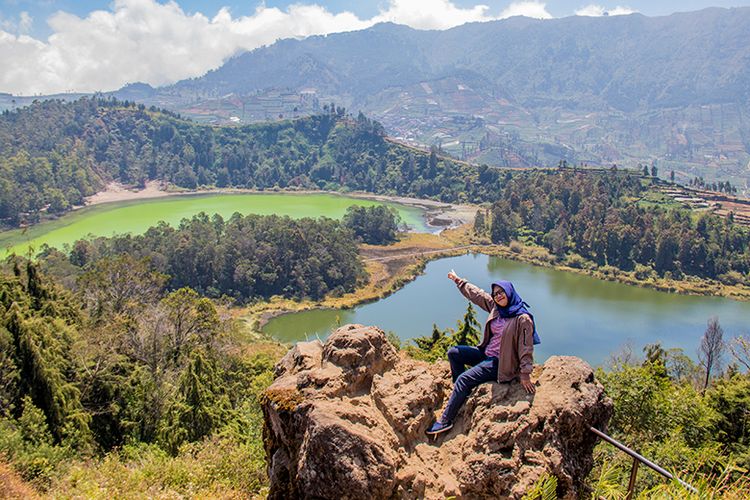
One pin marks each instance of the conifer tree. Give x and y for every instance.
(468, 329)
(42, 355)
(426, 343)
(480, 224)
(201, 406)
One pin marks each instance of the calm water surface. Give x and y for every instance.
(137, 216)
(576, 315)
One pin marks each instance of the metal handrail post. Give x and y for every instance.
(640, 458)
(631, 483)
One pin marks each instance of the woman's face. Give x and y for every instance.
(498, 294)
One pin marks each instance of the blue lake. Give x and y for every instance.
(575, 314)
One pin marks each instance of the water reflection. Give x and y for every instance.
(576, 315)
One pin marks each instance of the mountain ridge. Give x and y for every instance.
(428, 55)
(517, 92)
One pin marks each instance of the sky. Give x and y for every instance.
(54, 46)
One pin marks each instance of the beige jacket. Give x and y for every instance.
(516, 346)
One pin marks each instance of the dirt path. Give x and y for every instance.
(118, 192)
(404, 255)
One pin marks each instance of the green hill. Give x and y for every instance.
(55, 153)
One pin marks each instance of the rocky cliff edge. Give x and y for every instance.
(346, 420)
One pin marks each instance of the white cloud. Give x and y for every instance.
(159, 43)
(528, 9)
(594, 10)
(430, 14)
(20, 26)
(24, 22)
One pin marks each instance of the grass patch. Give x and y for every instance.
(658, 199)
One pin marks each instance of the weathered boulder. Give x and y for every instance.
(346, 420)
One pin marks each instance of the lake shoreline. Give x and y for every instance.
(395, 265)
(578, 315)
(389, 268)
(260, 314)
(103, 218)
(438, 215)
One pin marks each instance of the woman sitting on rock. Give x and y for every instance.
(505, 354)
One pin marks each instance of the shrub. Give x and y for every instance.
(541, 254)
(394, 340)
(609, 271)
(575, 261)
(643, 272)
(733, 278)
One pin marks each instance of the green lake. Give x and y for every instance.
(137, 216)
(575, 314)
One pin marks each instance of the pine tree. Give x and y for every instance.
(201, 406)
(504, 224)
(479, 223)
(468, 329)
(35, 287)
(42, 354)
(428, 342)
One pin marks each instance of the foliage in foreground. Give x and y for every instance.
(663, 412)
(434, 347)
(128, 389)
(146, 393)
(545, 488)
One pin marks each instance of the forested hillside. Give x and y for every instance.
(55, 153)
(245, 257)
(599, 217)
(80, 376)
(593, 215)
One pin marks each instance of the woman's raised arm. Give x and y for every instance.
(472, 292)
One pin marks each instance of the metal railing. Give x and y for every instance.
(638, 459)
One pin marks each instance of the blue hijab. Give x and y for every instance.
(516, 306)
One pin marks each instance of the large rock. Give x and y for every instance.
(346, 420)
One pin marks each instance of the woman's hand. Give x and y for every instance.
(452, 276)
(527, 384)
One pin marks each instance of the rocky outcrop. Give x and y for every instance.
(347, 420)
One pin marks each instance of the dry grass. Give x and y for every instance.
(212, 469)
(12, 486)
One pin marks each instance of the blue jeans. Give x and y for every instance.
(483, 370)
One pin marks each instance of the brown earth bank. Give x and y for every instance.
(12, 486)
(347, 420)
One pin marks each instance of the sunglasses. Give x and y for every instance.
(499, 293)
